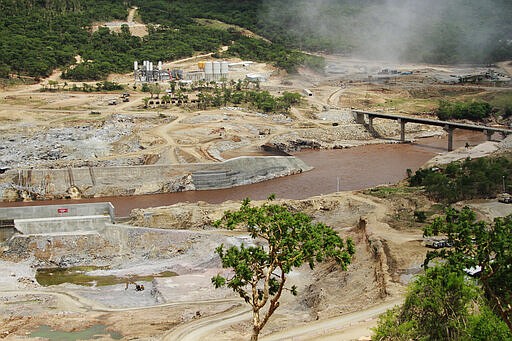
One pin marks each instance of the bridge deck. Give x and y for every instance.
(435, 122)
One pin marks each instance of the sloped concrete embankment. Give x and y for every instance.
(148, 179)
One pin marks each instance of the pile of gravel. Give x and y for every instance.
(45, 146)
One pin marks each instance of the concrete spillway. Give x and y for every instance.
(57, 211)
(246, 170)
(61, 225)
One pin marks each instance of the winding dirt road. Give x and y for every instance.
(334, 328)
(75, 302)
(203, 328)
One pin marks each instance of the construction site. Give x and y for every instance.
(147, 274)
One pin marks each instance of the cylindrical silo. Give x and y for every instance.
(135, 65)
(160, 65)
(208, 68)
(224, 68)
(216, 68)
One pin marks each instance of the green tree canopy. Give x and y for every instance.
(482, 247)
(283, 240)
(442, 304)
(461, 180)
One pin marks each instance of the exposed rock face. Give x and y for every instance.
(199, 215)
(62, 250)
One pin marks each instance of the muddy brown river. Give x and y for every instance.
(341, 169)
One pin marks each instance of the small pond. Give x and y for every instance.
(80, 275)
(96, 331)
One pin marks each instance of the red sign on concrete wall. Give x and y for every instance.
(62, 210)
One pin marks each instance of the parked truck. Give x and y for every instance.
(505, 198)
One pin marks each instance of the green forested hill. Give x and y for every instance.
(37, 36)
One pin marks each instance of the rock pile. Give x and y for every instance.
(42, 147)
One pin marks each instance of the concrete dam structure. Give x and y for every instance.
(84, 234)
(50, 219)
(147, 179)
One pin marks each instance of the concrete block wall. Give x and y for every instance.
(61, 224)
(58, 179)
(58, 211)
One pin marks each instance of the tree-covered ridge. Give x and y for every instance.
(436, 31)
(37, 36)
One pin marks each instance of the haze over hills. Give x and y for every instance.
(437, 31)
(37, 37)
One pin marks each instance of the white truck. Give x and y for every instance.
(505, 198)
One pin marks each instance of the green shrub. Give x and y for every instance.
(475, 111)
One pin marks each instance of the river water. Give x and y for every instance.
(340, 169)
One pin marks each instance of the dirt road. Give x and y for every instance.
(336, 328)
(202, 329)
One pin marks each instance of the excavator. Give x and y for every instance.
(138, 287)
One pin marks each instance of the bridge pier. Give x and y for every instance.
(359, 117)
(449, 129)
(370, 123)
(402, 129)
(489, 134)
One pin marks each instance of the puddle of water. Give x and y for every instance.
(79, 275)
(96, 331)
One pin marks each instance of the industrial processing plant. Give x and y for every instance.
(208, 71)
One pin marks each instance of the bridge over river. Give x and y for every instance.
(448, 126)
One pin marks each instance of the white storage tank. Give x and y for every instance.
(208, 68)
(135, 65)
(224, 68)
(216, 68)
